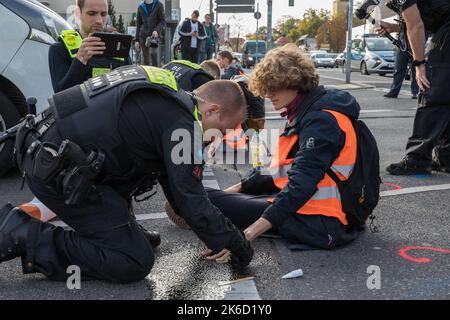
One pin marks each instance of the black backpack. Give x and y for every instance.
(361, 192)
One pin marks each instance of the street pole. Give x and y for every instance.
(257, 33)
(211, 11)
(269, 24)
(348, 58)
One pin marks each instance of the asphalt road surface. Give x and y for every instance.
(412, 216)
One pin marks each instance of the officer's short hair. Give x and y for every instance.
(212, 67)
(226, 93)
(81, 3)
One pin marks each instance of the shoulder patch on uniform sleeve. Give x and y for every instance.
(197, 172)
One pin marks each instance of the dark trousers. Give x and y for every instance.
(149, 55)
(401, 66)
(431, 132)
(106, 242)
(191, 54)
(310, 231)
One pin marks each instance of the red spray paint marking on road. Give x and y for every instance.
(393, 185)
(403, 252)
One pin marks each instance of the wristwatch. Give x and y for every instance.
(416, 63)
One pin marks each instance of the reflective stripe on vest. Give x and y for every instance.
(186, 63)
(326, 200)
(72, 40)
(236, 139)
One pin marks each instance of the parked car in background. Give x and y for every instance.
(322, 60)
(333, 56)
(379, 55)
(355, 62)
(253, 53)
(28, 28)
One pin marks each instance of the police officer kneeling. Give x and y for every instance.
(83, 163)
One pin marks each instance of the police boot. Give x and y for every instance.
(408, 167)
(14, 225)
(152, 236)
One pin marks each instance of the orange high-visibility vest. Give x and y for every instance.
(236, 139)
(327, 199)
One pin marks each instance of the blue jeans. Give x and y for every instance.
(401, 64)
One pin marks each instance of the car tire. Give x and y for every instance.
(363, 69)
(9, 117)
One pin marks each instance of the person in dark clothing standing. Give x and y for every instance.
(74, 58)
(402, 61)
(133, 144)
(208, 46)
(150, 22)
(428, 148)
(192, 32)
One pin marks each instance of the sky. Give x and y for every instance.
(280, 9)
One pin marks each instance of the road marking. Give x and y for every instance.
(436, 187)
(244, 290)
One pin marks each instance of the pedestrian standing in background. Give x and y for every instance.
(149, 24)
(192, 32)
(208, 46)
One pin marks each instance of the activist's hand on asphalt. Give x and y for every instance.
(421, 78)
(90, 47)
(221, 257)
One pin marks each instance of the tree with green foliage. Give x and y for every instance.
(112, 14)
(121, 25)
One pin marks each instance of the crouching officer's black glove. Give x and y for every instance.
(241, 257)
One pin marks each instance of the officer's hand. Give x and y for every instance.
(90, 47)
(241, 257)
(137, 46)
(384, 28)
(421, 78)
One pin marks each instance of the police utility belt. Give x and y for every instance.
(67, 165)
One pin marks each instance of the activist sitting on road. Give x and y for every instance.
(86, 171)
(225, 61)
(75, 58)
(300, 199)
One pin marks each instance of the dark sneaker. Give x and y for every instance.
(405, 168)
(175, 218)
(414, 96)
(14, 225)
(152, 236)
(390, 95)
(437, 167)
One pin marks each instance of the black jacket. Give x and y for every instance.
(147, 22)
(66, 72)
(185, 41)
(310, 164)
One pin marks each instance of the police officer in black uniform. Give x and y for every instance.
(76, 56)
(431, 131)
(84, 169)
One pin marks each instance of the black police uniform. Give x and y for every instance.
(431, 131)
(189, 75)
(66, 71)
(145, 111)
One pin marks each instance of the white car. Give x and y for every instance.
(27, 29)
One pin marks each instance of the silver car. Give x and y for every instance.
(322, 60)
(379, 55)
(27, 29)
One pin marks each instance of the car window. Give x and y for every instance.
(39, 17)
(322, 56)
(379, 44)
(251, 47)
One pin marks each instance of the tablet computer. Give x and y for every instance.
(118, 45)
